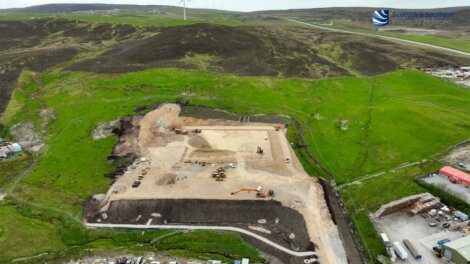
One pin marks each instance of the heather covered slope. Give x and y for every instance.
(292, 52)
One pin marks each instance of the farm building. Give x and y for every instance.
(455, 175)
(457, 251)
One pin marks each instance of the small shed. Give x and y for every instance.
(455, 175)
(457, 251)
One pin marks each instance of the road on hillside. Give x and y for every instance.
(194, 227)
(383, 37)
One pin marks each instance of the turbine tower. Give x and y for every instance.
(184, 8)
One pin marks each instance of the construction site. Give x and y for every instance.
(218, 173)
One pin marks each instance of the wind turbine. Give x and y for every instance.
(184, 8)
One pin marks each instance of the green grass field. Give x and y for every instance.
(443, 41)
(404, 116)
(11, 168)
(142, 19)
(453, 43)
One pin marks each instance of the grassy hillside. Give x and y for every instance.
(136, 18)
(404, 116)
(358, 19)
(453, 43)
(455, 40)
(454, 35)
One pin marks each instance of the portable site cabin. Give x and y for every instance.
(457, 251)
(455, 175)
(385, 238)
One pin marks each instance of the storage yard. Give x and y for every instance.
(219, 172)
(417, 228)
(458, 75)
(454, 178)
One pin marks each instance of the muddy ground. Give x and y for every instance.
(281, 220)
(354, 250)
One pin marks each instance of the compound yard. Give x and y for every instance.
(179, 154)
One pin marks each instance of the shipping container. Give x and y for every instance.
(401, 252)
(455, 175)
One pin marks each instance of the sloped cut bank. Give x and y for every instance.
(287, 226)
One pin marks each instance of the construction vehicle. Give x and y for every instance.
(181, 131)
(219, 178)
(219, 174)
(259, 192)
(259, 151)
(216, 174)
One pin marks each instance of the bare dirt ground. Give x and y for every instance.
(459, 154)
(171, 167)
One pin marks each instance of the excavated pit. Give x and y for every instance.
(176, 189)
